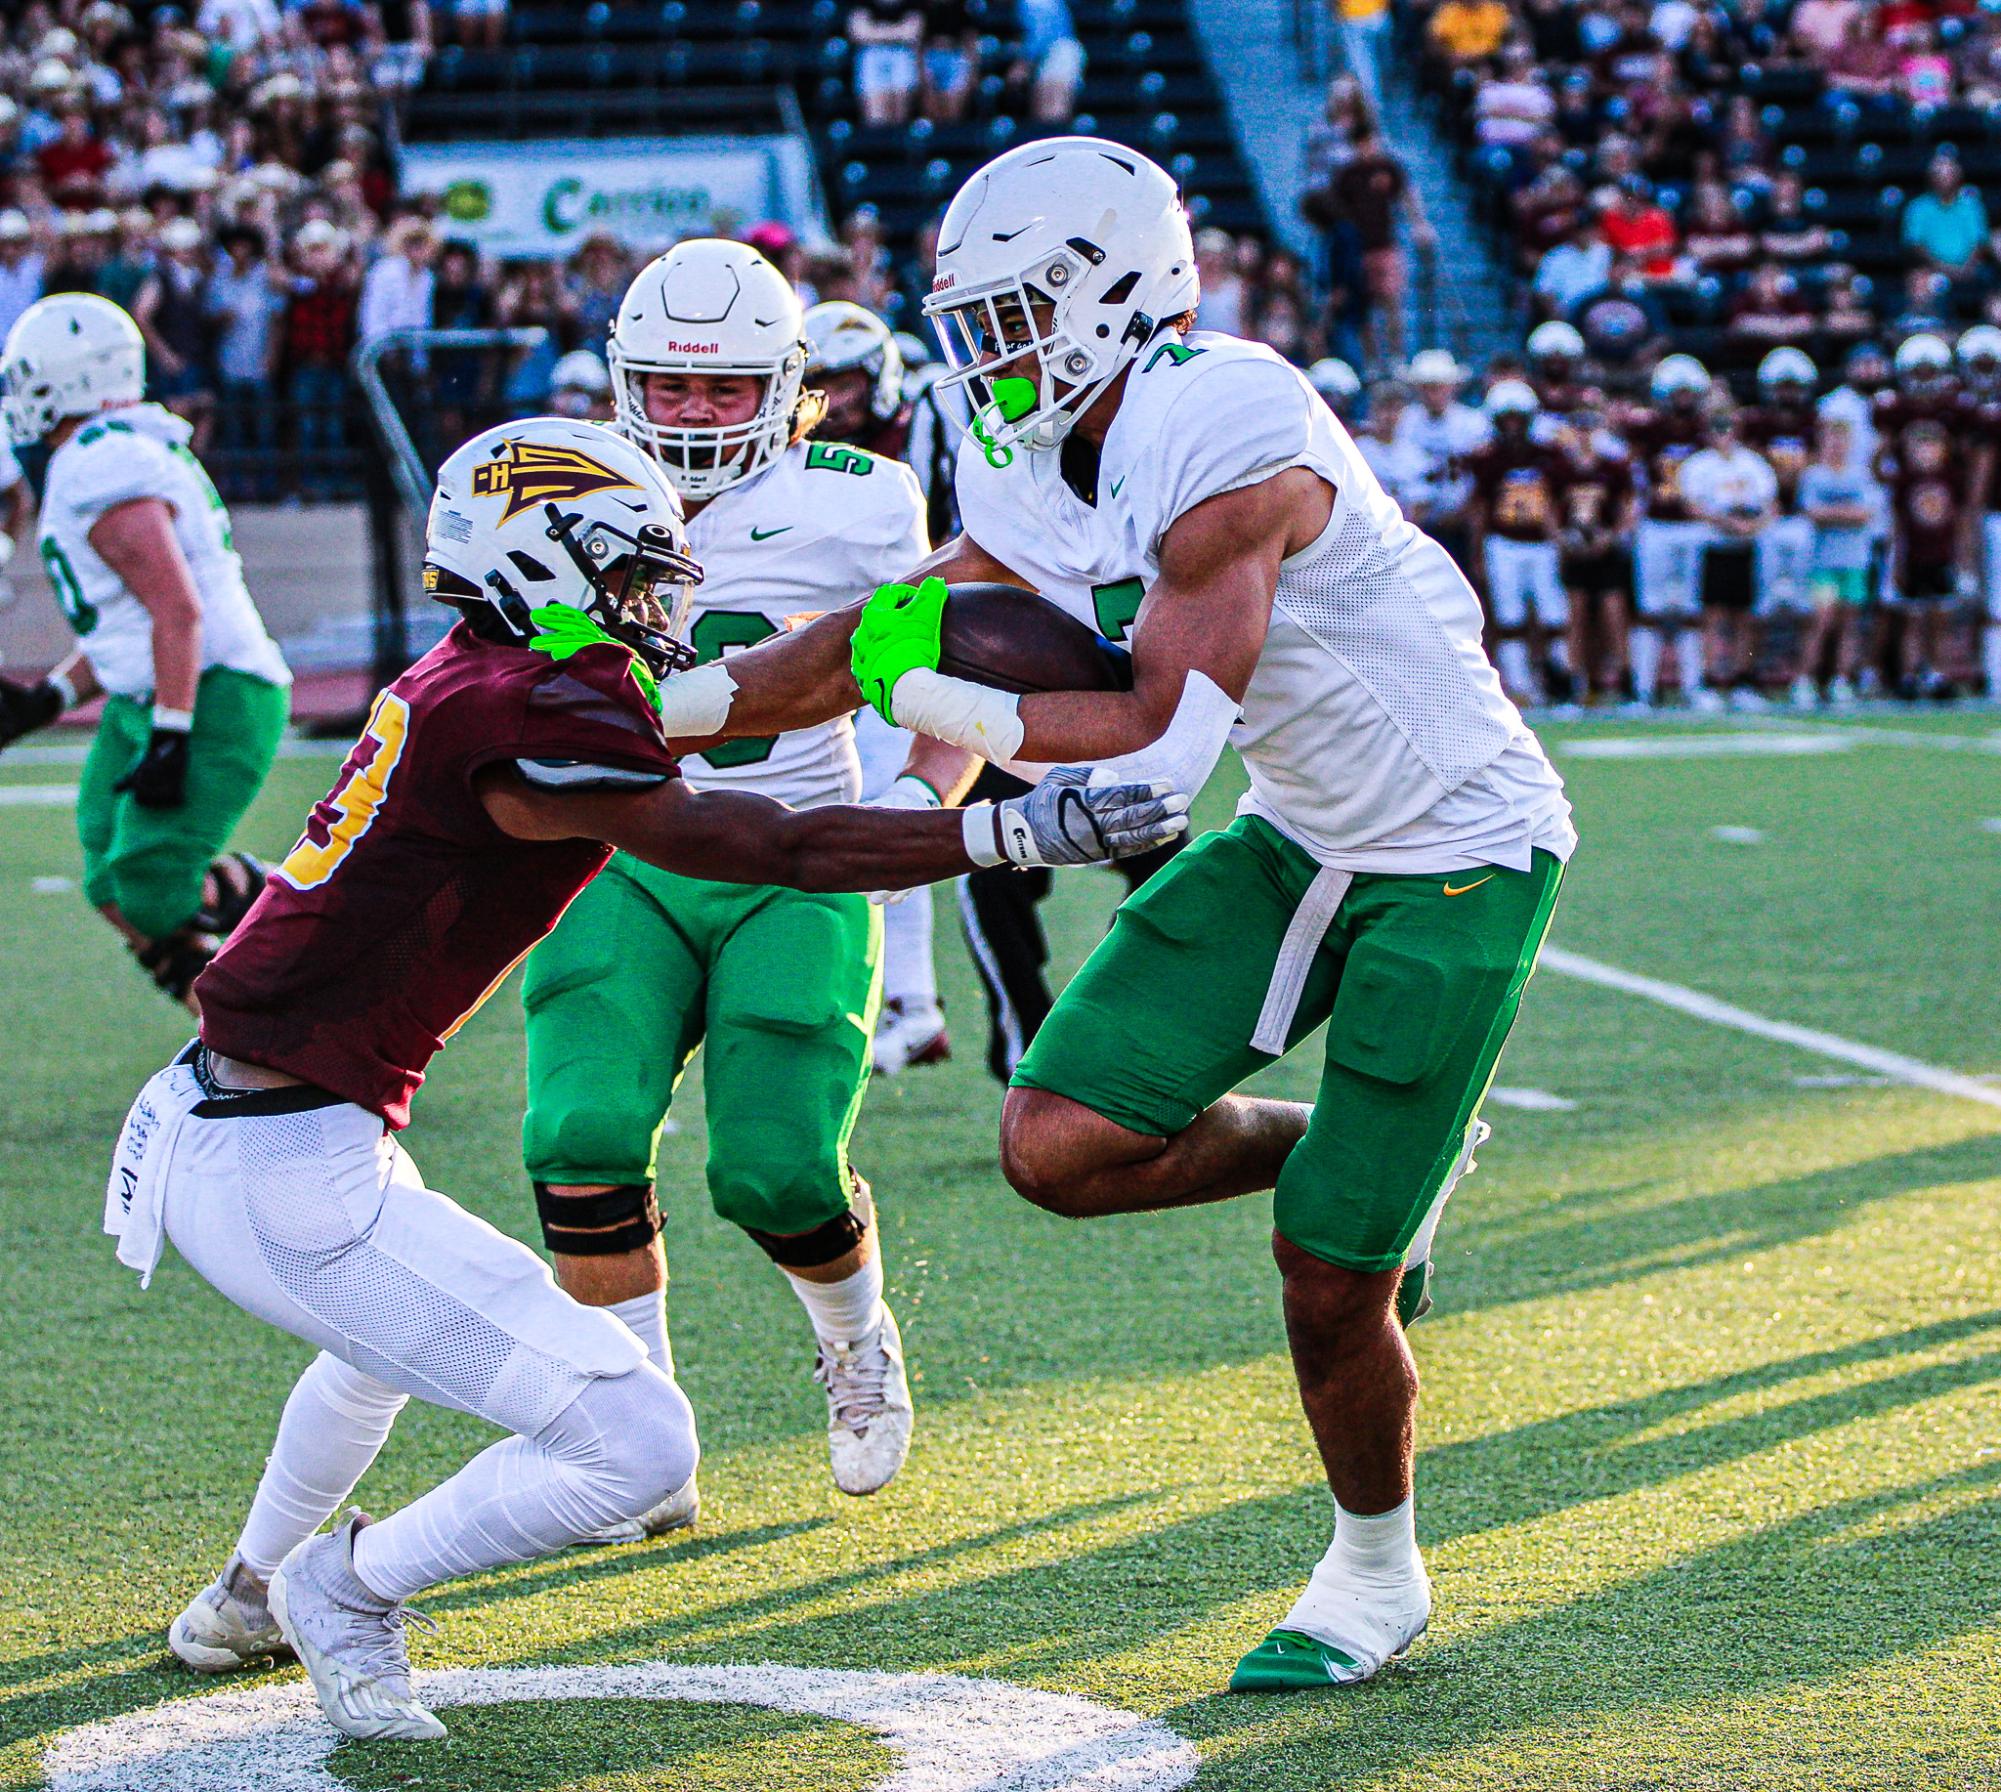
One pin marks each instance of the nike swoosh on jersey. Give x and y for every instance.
(1116, 483)
(1474, 885)
(767, 534)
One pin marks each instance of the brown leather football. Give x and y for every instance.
(1014, 640)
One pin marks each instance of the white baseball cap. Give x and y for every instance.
(1435, 367)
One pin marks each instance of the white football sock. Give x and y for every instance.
(1645, 649)
(843, 1312)
(1375, 1545)
(908, 975)
(1990, 658)
(334, 1424)
(645, 1316)
(617, 1450)
(1688, 656)
(1515, 671)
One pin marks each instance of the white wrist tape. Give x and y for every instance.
(696, 703)
(174, 721)
(958, 712)
(909, 792)
(981, 839)
(1186, 753)
(60, 683)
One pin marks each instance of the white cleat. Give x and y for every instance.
(679, 1511)
(1706, 702)
(350, 1641)
(228, 1625)
(869, 1415)
(905, 1040)
(1340, 1632)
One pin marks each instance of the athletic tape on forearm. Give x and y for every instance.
(960, 713)
(1186, 753)
(696, 703)
(982, 842)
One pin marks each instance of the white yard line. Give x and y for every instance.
(1894, 1065)
(63, 752)
(37, 796)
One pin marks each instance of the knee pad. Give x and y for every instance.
(177, 959)
(607, 1224)
(809, 1250)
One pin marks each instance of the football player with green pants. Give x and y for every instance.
(1394, 863)
(139, 549)
(778, 988)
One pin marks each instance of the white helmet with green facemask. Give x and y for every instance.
(1057, 263)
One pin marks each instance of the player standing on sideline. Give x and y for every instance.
(493, 781)
(1392, 870)
(1979, 353)
(138, 547)
(853, 362)
(1597, 544)
(1668, 542)
(1780, 427)
(1930, 551)
(1520, 491)
(707, 358)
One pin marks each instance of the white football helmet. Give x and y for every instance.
(842, 336)
(709, 306)
(1788, 367)
(1511, 398)
(1057, 263)
(1979, 346)
(1676, 374)
(1336, 382)
(551, 510)
(1923, 356)
(69, 355)
(1555, 340)
(578, 384)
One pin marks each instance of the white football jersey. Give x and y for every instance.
(1375, 731)
(141, 451)
(823, 525)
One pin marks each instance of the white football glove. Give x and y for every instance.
(908, 792)
(1068, 819)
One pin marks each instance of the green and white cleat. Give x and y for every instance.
(228, 1624)
(869, 1414)
(679, 1511)
(1338, 1634)
(350, 1640)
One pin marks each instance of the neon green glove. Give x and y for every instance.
(898, 632)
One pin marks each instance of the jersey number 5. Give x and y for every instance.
(355, 799)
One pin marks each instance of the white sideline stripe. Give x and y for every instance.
(1709, 746)
(954, 1734)
(75, 752)
(1534, 1101)
(1808, 1039)
(37, 796)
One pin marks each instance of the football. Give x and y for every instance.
(1014, 640)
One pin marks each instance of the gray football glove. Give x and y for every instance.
(1065, 820)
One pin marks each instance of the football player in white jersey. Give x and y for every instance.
(138, 547)
(1391, 872)
(707, 359)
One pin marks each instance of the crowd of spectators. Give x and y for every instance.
(1690, 174)
(922, 58)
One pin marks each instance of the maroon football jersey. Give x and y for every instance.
(1662, 439)
(1783, 434)
(1521, 487)
(1894, 412)
(1925, 509)
(1594, 498)
(403, 905)
(1984, 437)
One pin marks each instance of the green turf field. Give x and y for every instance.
(1710, 1483)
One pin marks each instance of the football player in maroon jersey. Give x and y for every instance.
(1669, 541)
(491, 784)
(1929, 550)
(1979, 353)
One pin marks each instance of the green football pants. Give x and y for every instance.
(647, 967)
(1418, 978)
(151, 862)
